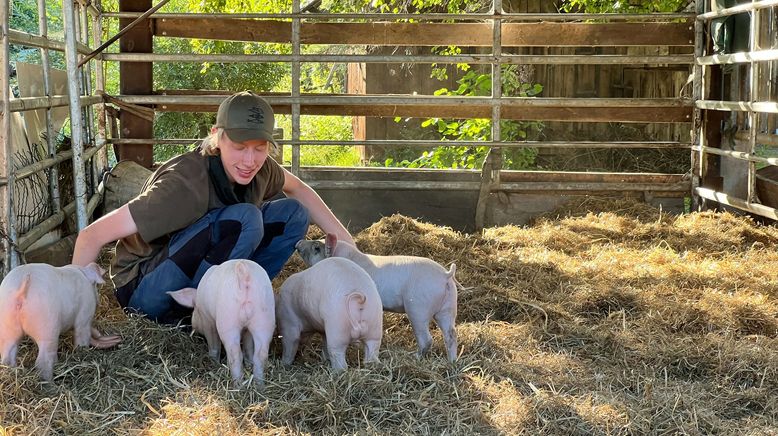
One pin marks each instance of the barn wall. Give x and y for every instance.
(360, 207)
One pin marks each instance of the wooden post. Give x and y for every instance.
(136, 78)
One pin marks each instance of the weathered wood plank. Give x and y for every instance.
(430, 34)
(596, 34)
(573, 114)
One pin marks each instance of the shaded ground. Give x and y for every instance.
(622, 322)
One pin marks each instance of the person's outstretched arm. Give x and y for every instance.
(320, 214)
(108, 228)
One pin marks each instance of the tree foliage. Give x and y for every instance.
(211, 75)
(24, 18)
(623, 6)
(479, 84)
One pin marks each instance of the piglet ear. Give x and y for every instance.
(94, 273)
(184, 297)
(329, 244)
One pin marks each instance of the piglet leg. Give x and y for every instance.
(47, 357)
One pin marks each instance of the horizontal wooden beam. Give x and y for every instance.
(567, 187)
(531, 113)
(431, 34)
(563, 183)
(594, 177)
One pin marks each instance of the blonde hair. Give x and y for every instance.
(210, 145)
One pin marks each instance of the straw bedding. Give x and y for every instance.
(606, 317)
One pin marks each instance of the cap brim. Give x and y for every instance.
(243, 135)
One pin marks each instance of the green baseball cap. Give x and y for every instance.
(245, 116)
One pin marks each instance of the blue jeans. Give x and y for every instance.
(266, 235)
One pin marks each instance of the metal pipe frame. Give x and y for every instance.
(739, 106)
(469, 59)
(427, 16)
(739, 9)
(739, 58)
(490, 171)
(741, 155)
(698, 123)
(32, 103)
(38, 41)
(327, 99)
(423, 143)
(50, 162)
(43, 29)
(52, 222)
(71, 59)
(86, 78)
(753, 117)
(295, 92)
(9, 243)
(727, 200)
(126, 29)
(89, 4)
(97, 35)
(679, 187)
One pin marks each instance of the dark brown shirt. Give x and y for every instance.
(177, 194)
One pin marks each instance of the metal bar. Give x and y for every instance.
(86, 81)
(91, 8)
(97, 35)
(71, 59)
(295, 92)
(430, 143)
(126, 29)
(742, 155)
(30, 40)
(753, 117)
(496, 72)
(739, 58)
(51, 223)
(738, 106)
(426, 16)
(682, 186)
(32, 103)
(469, 59)
(504, 186)
(43, 28)
(739, 203)
(327, 99)
(11, 256)
(490, 171)
(41, 165)
(739, 9)
(698, 123)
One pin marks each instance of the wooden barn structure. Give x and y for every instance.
(698, 92)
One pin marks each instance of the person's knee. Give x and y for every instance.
(298, 216)
(240, 221)
(246, 213)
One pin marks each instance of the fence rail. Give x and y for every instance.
(495, 31)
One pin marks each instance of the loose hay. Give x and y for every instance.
(605, 317)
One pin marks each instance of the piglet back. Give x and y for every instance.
(244, 288)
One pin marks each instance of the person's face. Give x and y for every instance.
(242, 160)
